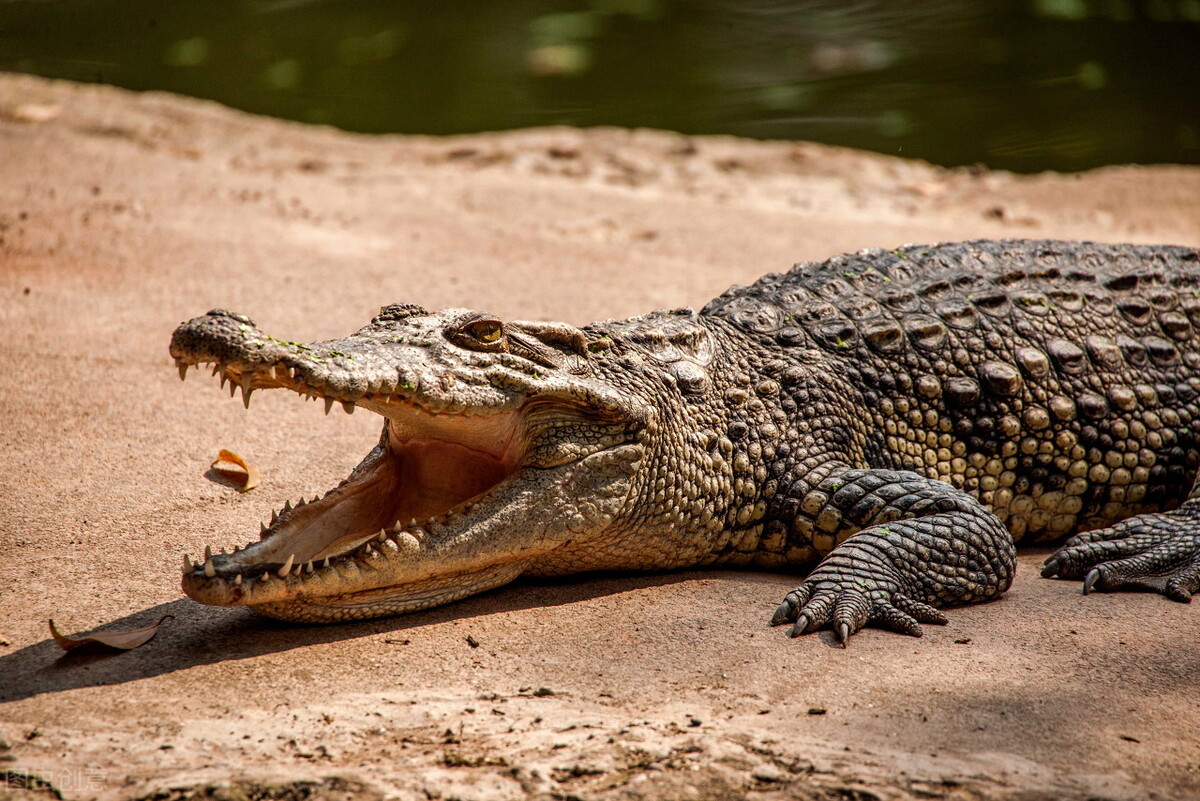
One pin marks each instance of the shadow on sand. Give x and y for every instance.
(201, 635)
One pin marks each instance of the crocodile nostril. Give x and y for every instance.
(399, 311)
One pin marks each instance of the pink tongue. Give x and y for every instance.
(440, 475)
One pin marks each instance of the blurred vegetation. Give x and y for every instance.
(1045, 84)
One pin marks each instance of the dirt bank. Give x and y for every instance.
(123, 214)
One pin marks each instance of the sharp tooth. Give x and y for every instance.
(328, 405)
(207, 552)
(209, 569)
(216, 369)
(237, 580)
(246, 390)
(315, 498)
(397, 528)
(187, 564)
(224, 379)
(287, 507)
(262, 529)
(183, 368)
(308, 567)
(325, 564)
(382, 535)
(232, 389)
(287, 567)
(348, 406)
(274, 517)
(265, 576)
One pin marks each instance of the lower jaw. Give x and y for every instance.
(394, 600)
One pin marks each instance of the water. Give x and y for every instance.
(1048, 84)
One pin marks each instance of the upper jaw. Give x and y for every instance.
(385, 366)
(376, 367)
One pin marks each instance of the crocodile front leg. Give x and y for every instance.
(1158, 552)
(923, 545)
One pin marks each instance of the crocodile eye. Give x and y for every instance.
(486, 331)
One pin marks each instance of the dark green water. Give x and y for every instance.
(1044, 84)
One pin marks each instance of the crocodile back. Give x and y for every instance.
(1056, 381)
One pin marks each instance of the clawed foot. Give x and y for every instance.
(1158, 552)
(848, 606)
(939, 547)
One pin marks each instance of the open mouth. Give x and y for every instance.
(497, 457)
(428, 470)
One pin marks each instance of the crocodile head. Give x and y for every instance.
(498, 448)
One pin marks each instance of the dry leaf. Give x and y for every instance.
(122, 640)
(234, 468)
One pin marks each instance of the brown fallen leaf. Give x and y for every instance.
(122, 640)
(232, 467)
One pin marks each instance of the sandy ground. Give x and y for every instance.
(123, 214)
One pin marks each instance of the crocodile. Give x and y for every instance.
(892, 421)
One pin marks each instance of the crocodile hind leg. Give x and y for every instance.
(921, 545)
(1159, 552)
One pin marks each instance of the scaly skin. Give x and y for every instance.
(899, 419)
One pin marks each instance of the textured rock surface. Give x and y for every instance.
(123, 214)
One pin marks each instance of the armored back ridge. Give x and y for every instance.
(896, 419)
(1054, 381)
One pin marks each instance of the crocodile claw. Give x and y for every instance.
(785, 612)
(847, 610)
(1156, 552)
(801, 627)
